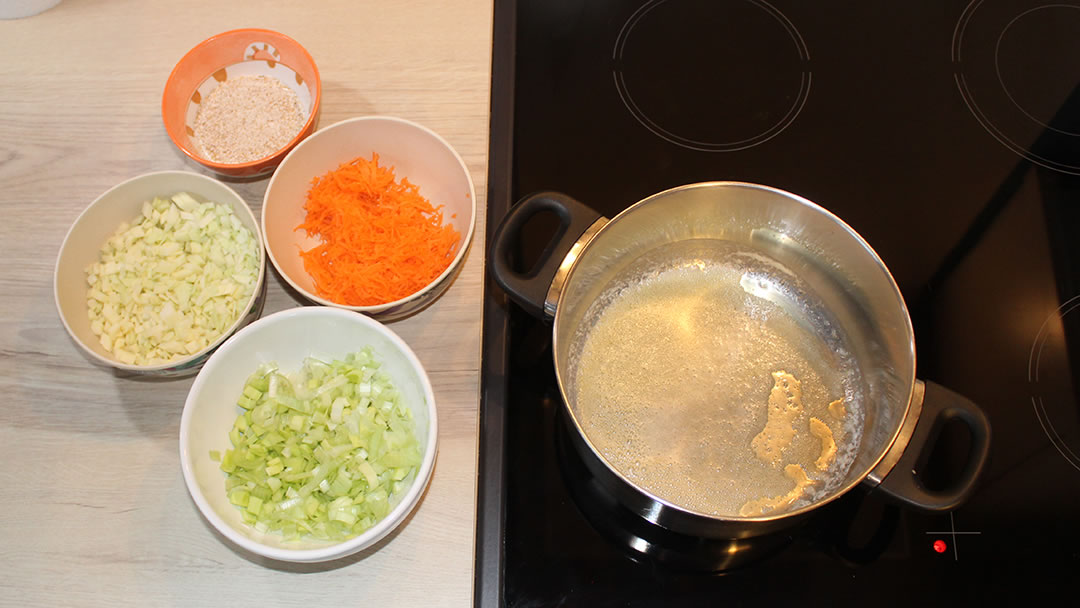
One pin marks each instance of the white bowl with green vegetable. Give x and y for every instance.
(158, 271)
(309, 435)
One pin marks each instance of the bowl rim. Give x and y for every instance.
(170, 84)
(452, 267)
(384, 526)
(178, 363)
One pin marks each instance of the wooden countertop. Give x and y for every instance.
(93, 507)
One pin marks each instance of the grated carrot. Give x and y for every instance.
(381, 240)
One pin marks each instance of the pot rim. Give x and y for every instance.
(852, 481)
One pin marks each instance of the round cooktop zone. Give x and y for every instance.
(1050, 378)
(1017, 65)
(717, 76)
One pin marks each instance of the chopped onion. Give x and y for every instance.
(313, 457)
(168, 285)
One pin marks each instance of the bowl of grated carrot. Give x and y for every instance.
(373, 214)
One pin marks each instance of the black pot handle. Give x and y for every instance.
(940, 406)
(530, 289)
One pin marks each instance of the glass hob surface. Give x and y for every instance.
(946, 133)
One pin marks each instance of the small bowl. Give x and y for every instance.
(243, 52)
(415, 152)
(99, 221)
(287, 338)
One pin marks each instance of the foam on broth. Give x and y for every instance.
(672, 369)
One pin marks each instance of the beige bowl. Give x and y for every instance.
(82, 246)
(414, 151)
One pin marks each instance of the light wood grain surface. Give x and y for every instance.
(93, 507)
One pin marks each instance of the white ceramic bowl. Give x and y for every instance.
(99, 221)
(18, 9)
(287, 338)
(414, 151)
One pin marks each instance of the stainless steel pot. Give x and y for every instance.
(798, 255)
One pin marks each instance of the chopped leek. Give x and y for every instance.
(313, 455)
(173, 281)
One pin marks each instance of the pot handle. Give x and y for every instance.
(940, 406)
(530, 289)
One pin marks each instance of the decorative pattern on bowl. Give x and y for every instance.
(232, 54)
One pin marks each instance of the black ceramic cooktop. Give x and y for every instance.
(947, 133)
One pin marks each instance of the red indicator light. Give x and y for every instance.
(939, 546)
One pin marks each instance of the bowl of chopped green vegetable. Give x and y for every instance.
(309, 435)
(157, 271)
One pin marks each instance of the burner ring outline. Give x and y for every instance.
(1034, 358)
(704, 146)
(997, 65)
(980, 115)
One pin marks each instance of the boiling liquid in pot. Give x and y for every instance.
(673, 368)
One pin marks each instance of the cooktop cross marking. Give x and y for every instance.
(952, 534)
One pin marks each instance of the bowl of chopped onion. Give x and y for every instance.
(309, 435)
(373, 214)
(157, 271)
(237, 102)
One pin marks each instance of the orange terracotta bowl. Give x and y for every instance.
(232, 54)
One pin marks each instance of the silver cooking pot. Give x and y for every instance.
(796, 257)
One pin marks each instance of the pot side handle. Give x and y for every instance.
(530, 289)
(940, 406)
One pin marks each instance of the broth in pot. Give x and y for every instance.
(710, 376)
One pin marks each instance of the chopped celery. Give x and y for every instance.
(172, 281)
(313, 456)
